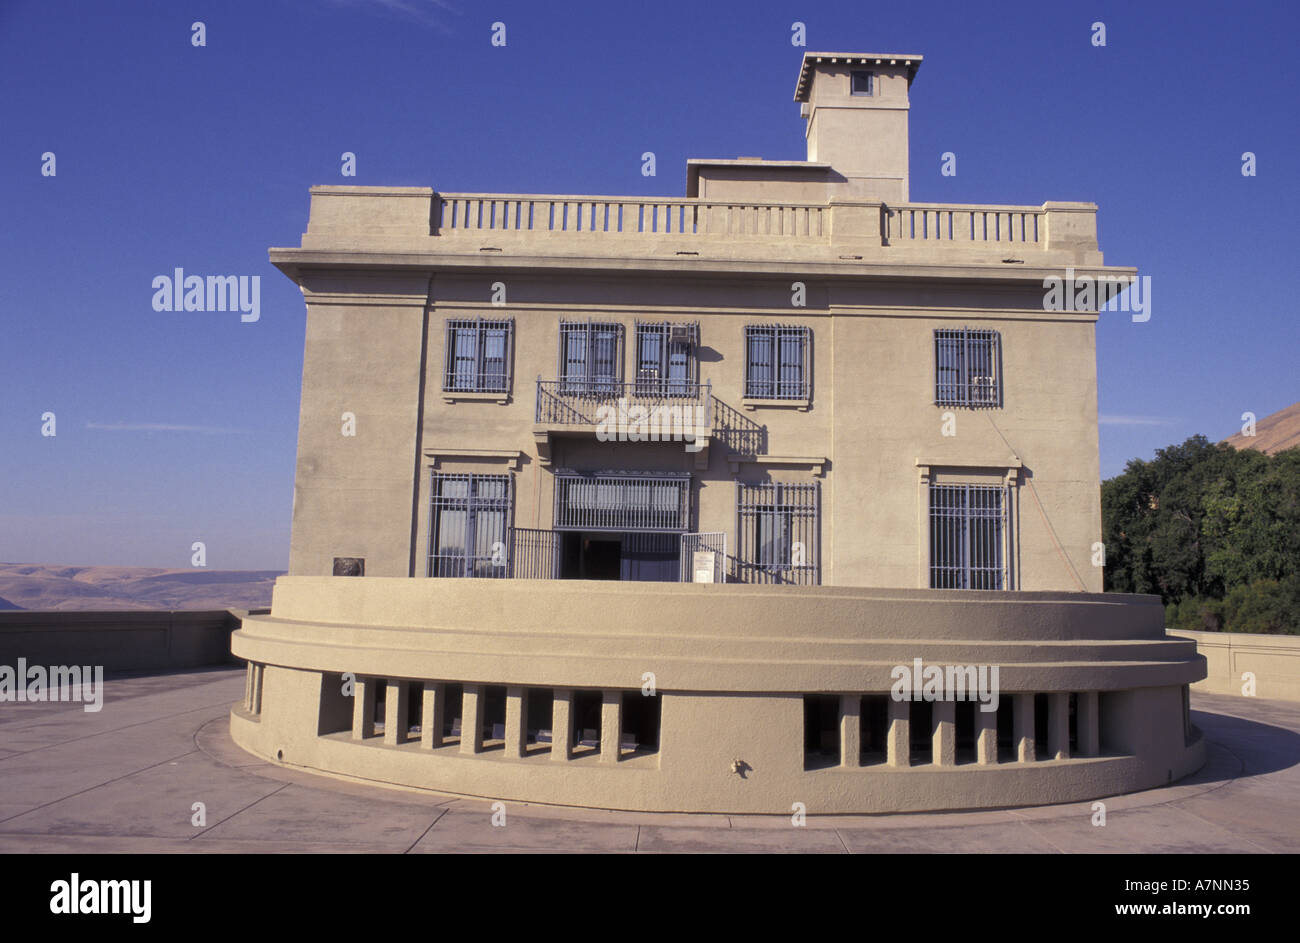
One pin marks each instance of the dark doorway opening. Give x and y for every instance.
(601, 559)
(639, 556)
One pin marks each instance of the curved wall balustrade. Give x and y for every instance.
(762, 696)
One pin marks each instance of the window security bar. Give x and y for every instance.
(591, 357)
(967, 537)
(968, 368)
(478, 356)
(666, 360)
(778, 527)
(606, 503)
(469, 520)
(777, 362)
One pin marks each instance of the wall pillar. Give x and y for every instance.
(986, 736)
(363, 707)
(433, 714)
(1058, 726)
(471, 720)
(396, 705)
(1089, 728)
(899, 738)
(611, 725)
(1023, 727)
(850, 730)
(561, 724)
(945, 733)
(516, 722)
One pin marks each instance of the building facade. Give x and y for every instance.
(525, 417)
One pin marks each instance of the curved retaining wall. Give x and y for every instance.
(545, 677)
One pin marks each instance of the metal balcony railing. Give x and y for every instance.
(671, 407)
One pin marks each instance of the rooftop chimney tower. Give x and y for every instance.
(856, 109)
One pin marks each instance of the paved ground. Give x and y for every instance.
(125, 780)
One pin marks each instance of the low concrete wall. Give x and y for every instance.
(120, 640)
(1273, 659)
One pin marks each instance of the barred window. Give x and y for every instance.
(666, 359)
(469, 521)
(776, 361)
(478, 356)
(967, 368)
(608, 503)
(591, 357)
(967, 530)
(778, 527)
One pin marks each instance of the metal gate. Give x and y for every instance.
(695, 547)
(534, 554)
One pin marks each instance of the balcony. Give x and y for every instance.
(645, 410)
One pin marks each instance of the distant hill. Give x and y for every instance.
(1275, 433)
(52, 586)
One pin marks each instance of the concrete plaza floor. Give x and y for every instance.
(126, 779)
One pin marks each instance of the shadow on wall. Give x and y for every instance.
(738, 432)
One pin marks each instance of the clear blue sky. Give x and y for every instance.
(174, 427)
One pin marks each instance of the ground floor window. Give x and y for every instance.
(967, 537)
(469, 519)
(778, 528)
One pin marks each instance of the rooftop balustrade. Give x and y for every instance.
(561, 223)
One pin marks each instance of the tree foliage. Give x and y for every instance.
(1214, 531)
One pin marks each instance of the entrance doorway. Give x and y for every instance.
(635, 555)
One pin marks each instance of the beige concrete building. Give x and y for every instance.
(528, 419)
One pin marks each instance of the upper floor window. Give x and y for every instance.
(777, 362)
(778, 528)
(967, 368)
(469, 524)
(666, 359)
(478, 356)
(862, 83)
(967, 531)
(591, 357)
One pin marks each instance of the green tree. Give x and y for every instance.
(1213, 530)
